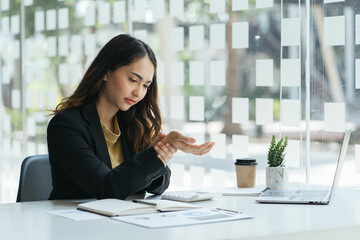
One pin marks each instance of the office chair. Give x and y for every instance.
(35, 179)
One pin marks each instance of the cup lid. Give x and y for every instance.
(246, 161)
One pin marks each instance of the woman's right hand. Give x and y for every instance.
(186, 144)
(165, 151)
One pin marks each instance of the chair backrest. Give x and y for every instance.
(35, 179)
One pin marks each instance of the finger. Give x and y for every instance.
(163, 160)
(189, 148)
(158, 138)
(194, 149)
(160, 149)
(208, 146)
(171, 148)
(203, 148)
(207, 149)
(161, 135)
(159, 154)
(164, 151)
(204, 145)
(198, 149)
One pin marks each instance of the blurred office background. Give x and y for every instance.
(230, 71)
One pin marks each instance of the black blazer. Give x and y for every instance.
(80, 161)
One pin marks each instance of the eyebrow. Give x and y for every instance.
(139, 76)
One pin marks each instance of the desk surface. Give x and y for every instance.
(29, 220)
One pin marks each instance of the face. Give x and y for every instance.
(128, 85)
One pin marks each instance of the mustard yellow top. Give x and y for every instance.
(113, 142)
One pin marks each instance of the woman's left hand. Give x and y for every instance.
(186, 144)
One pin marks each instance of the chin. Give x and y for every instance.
(124, 108)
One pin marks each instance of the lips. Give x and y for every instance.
(130, 101)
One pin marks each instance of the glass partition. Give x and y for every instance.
(234, 72)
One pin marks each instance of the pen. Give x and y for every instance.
(227, 210)
(144, 202)
(263, 191)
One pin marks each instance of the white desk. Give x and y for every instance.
(339, 220)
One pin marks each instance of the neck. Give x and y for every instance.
(106, 113)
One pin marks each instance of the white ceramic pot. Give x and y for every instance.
(277, 177)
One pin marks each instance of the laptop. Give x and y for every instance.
(308, 196)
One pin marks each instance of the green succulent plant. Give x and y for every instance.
(276, 154)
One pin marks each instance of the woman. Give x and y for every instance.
(105, 140)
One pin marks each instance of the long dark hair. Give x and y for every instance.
(143, 120)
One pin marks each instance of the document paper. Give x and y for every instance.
(182, 218)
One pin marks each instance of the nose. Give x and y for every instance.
(137, 92)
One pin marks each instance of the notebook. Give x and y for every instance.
(116, 207)
(308, 196)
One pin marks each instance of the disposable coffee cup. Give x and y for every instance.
(245, 172)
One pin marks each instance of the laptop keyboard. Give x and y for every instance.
(298, 195)
(278, 194)
(310, 195)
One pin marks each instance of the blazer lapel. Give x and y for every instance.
(92, 117)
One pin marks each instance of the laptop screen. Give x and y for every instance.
(341, 160)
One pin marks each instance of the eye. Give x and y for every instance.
(146, 86)
(132, 80)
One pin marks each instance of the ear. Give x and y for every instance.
(106, 77)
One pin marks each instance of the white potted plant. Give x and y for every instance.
(277, 175)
